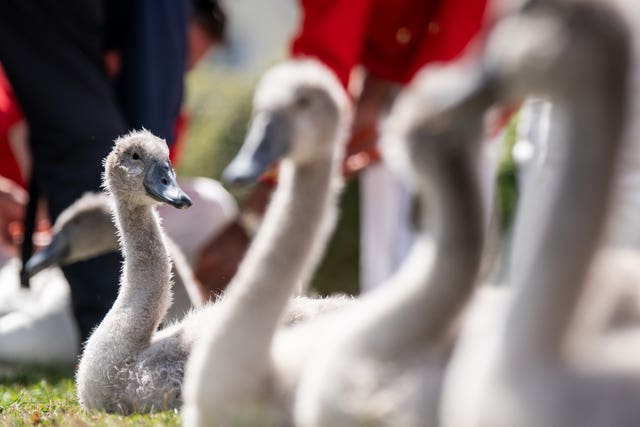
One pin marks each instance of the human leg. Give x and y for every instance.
(52, 53)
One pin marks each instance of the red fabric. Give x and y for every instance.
(392, 39)
(180, 135)
(10, 114)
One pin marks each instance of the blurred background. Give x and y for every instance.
(218, 95)
(219, 98)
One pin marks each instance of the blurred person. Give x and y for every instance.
(52, 53)
(15, 169)
(205, 31)
(151, 45)
(13, 200)
(54, 57)
(13, 196)
(14, 150)
(39, 324)
(213, 206)
(146, 45)
(388, 42)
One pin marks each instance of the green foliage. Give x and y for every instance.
(339, 269)
(506, 180)
(219, 106)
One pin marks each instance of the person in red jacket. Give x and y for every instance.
(387, 42)
(13, 155)
(13, 196)
(390, 42)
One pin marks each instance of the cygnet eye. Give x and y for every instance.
(303, 101)
(135, 155)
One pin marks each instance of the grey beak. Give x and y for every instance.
(160, 183)
(54, 254)
(267, 142)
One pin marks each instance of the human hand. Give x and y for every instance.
(13, 200)
(373, 102)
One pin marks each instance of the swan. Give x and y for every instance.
(261, 381)
(301, 115)
(36, 324)
(85, 230)
(127, 364)
(384, 365)
(535, 370)
(118, 370)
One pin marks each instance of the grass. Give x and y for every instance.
(32, 395)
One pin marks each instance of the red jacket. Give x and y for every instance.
(393, 39)
(9, 115)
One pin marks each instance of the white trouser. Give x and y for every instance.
(385, 225)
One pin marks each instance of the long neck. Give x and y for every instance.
(549, 283)
(432, 286)
(283, 255)
(145, 283)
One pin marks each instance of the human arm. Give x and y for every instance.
(13, 200)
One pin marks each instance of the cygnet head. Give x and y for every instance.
(562, 39)
(300, 111)
(138, 172)
(435, 111)
(82, 231)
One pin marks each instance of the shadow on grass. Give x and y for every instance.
(28, 375)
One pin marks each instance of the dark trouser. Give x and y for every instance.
(52, 53)
(152, 38)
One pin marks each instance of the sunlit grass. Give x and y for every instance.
(47, 397)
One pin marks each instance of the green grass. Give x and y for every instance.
(47, 397)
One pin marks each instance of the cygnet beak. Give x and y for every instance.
(54, 254)
(267, 142)
(160, 183)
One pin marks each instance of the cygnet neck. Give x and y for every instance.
(284, 253)
(145, 282)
